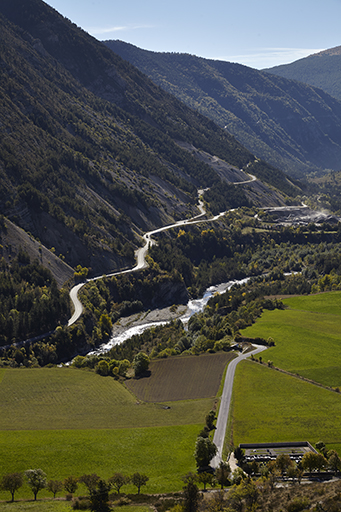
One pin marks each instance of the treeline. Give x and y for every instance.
(98, 489)
(30, 302)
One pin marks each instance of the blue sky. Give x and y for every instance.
(257, 33)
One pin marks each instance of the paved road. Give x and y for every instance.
(219, 434)
(141, 253)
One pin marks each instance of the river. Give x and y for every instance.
(193, 306)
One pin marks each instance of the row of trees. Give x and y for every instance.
(36, 479)
(105, 366)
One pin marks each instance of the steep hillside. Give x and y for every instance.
(92, 152)
(321, 70)
(293, 126)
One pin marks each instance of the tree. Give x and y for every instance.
(295, 473)
(54, 486)
(118, 480)
(334, 461)
(311, 461)
(102, 368)
(99, 497)
(140, 363)
(222, 474)
(239, 454)
(90, 481)
(192, 497)
(204, 452)
(139, 480)
(36, 479)
(283, 463)
(11, 482)
(210, 417)
(105, 324)
(205, 478)
(71, 484)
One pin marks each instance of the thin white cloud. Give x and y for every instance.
(267, 57)
(107, 30)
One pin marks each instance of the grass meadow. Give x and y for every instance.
(270, 406)
(70, 422)
(307, 336)
(67, 398)
(38, 506)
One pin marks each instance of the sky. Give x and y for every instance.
(256, 33)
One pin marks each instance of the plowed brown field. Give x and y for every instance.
(182, 378)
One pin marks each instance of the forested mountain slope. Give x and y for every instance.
(92, 152)
(293, 126)
(321, 70)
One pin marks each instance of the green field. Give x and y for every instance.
(163, 453)
(270, 406)
(70, 422)
(307, 336)
(66, 398)
(182, 378)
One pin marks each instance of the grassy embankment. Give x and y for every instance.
(272, 406)
(71, 422)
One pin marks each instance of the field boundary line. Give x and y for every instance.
(298, 376)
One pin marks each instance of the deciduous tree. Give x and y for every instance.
(206, 478)
(54, 486)
(313, 461)
(118, 480)
(71, 484)
(140, 363)
(204, 452)
(210, 417)
(222, 474)
(334, 461)
(11, 482)
(36, 479)
(139, 480)
(283, 463)
(90, 481)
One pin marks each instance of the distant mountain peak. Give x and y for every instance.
(328, 53)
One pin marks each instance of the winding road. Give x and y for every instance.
(140, 254)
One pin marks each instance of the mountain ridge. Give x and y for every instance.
(292, 126)
(321, 69)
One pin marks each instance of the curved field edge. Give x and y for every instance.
(182, 378)
(307, 336)
(269, 406)
(164, 454)
(66, 398)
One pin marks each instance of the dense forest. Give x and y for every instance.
(30, 302)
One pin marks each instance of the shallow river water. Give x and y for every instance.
(193, 306)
